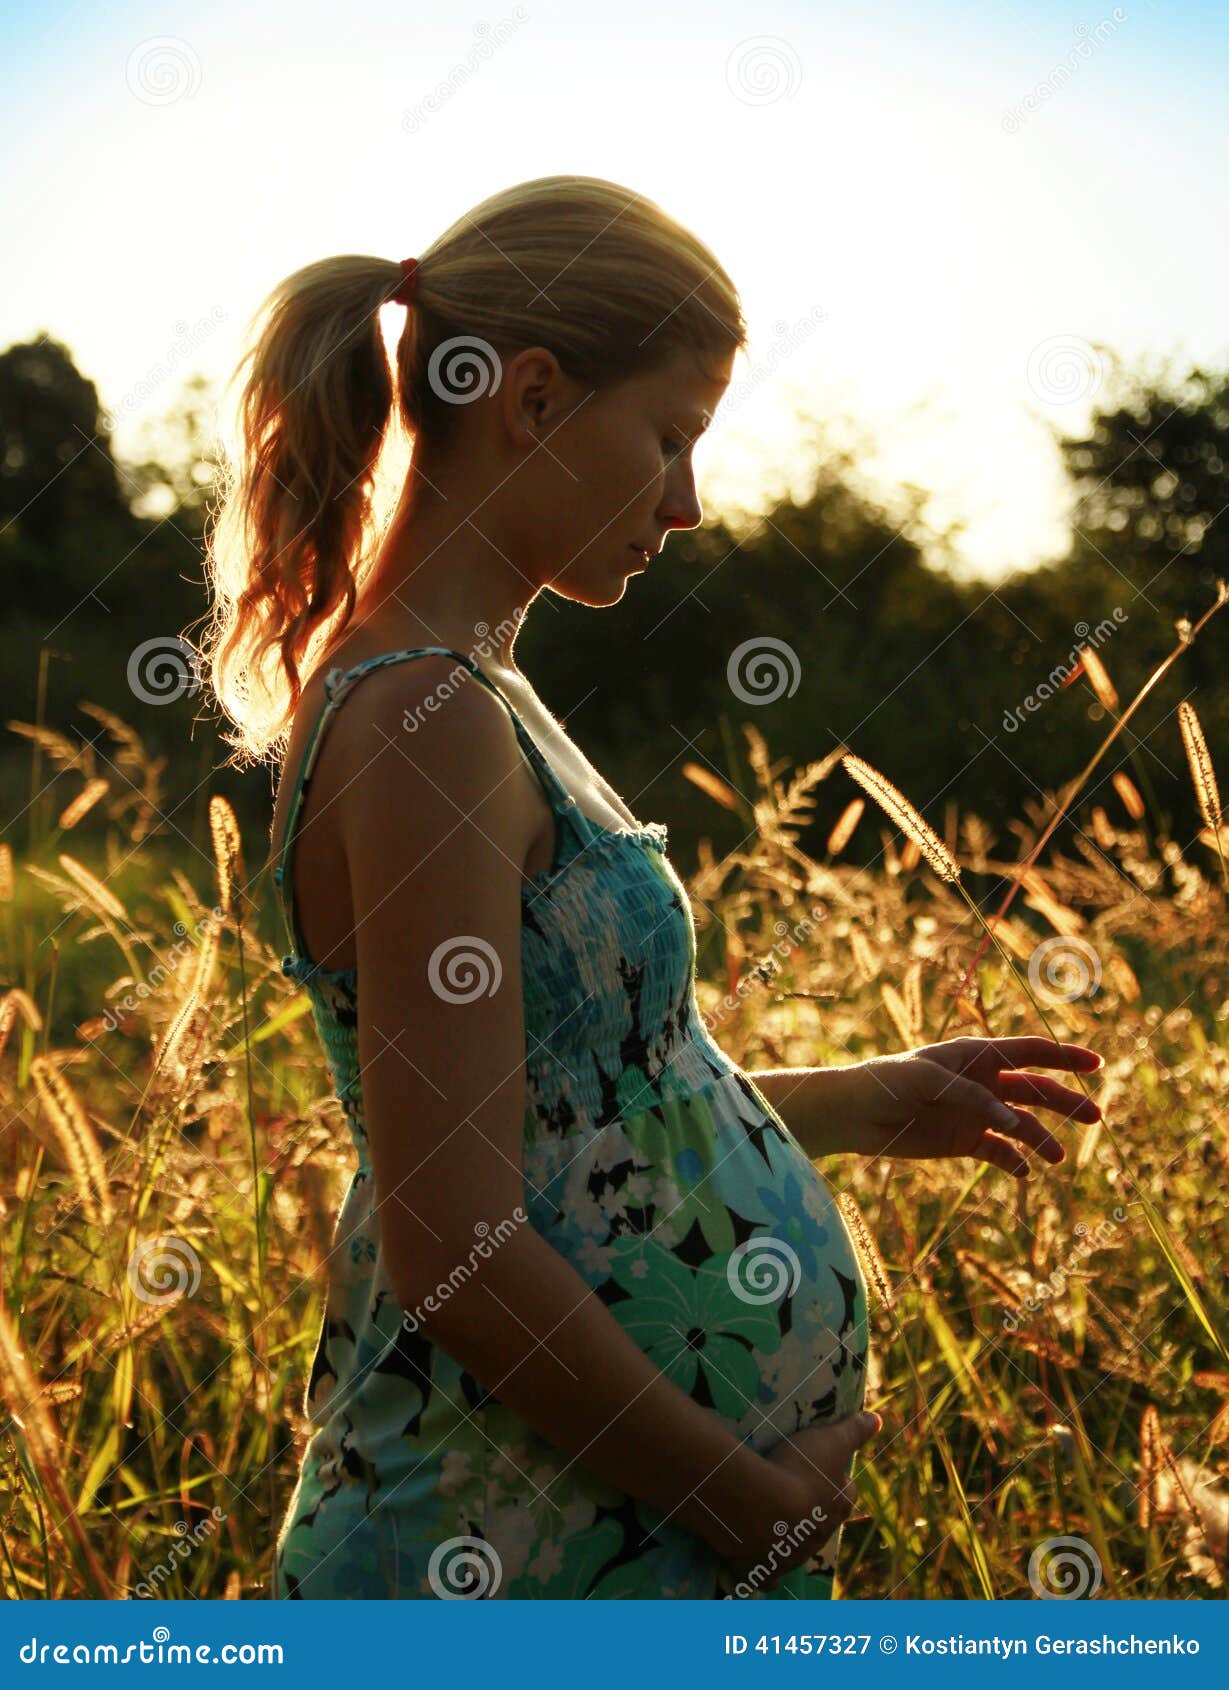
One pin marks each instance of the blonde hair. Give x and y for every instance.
(598, 274)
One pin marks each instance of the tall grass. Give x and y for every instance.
(1049, 1357)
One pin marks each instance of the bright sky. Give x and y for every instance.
(944, 203)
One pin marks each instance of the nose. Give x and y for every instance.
(680, 506)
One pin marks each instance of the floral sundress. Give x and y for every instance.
(654, 1165)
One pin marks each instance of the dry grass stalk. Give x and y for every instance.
(83, 803)
(76, 1138)
(847, 821)
(905, 816)
(97, 897)
(1200, 760)
(1098, 679)
(6, 874)
(868, 1250)
(910, 856)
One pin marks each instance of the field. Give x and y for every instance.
(1049, 1356)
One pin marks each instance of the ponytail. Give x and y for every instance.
(295, 518)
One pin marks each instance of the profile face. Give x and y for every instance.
(623, 476)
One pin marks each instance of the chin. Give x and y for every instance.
(593, 591)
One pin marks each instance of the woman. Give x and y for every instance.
(594, 1325)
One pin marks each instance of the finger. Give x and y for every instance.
(851, 1432)
(1050, 1094)
(1000, 1154)
(964, 1096)
(1029, 1130)
(1031, 1052)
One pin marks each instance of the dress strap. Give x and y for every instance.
(337, 685)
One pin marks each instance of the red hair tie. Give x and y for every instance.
(409, 281)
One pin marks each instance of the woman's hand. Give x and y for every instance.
(951, 1099)
(813, 1495)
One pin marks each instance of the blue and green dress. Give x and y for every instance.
(654, 1165)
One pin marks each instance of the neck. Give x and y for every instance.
(439, 570)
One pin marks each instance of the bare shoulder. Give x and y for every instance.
(423, 754)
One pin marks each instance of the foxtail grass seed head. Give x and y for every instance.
(6, 874)
(26, 1007)
(1126, 789)
(24, 1399)
(83, 803)
(868, 1251)
(1150, 1440)
(848, 819)
(898, 1010)
(97, 897)
(710, 784)
(1200, 760)
(227, 850)
(1098, 679)
(905, 816)
(76, 1138)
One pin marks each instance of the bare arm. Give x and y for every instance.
(435, 832)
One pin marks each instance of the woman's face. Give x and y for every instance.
(613, 472)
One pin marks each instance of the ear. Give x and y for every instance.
(532, 393)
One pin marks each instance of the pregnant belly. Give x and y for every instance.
(718, 1246)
